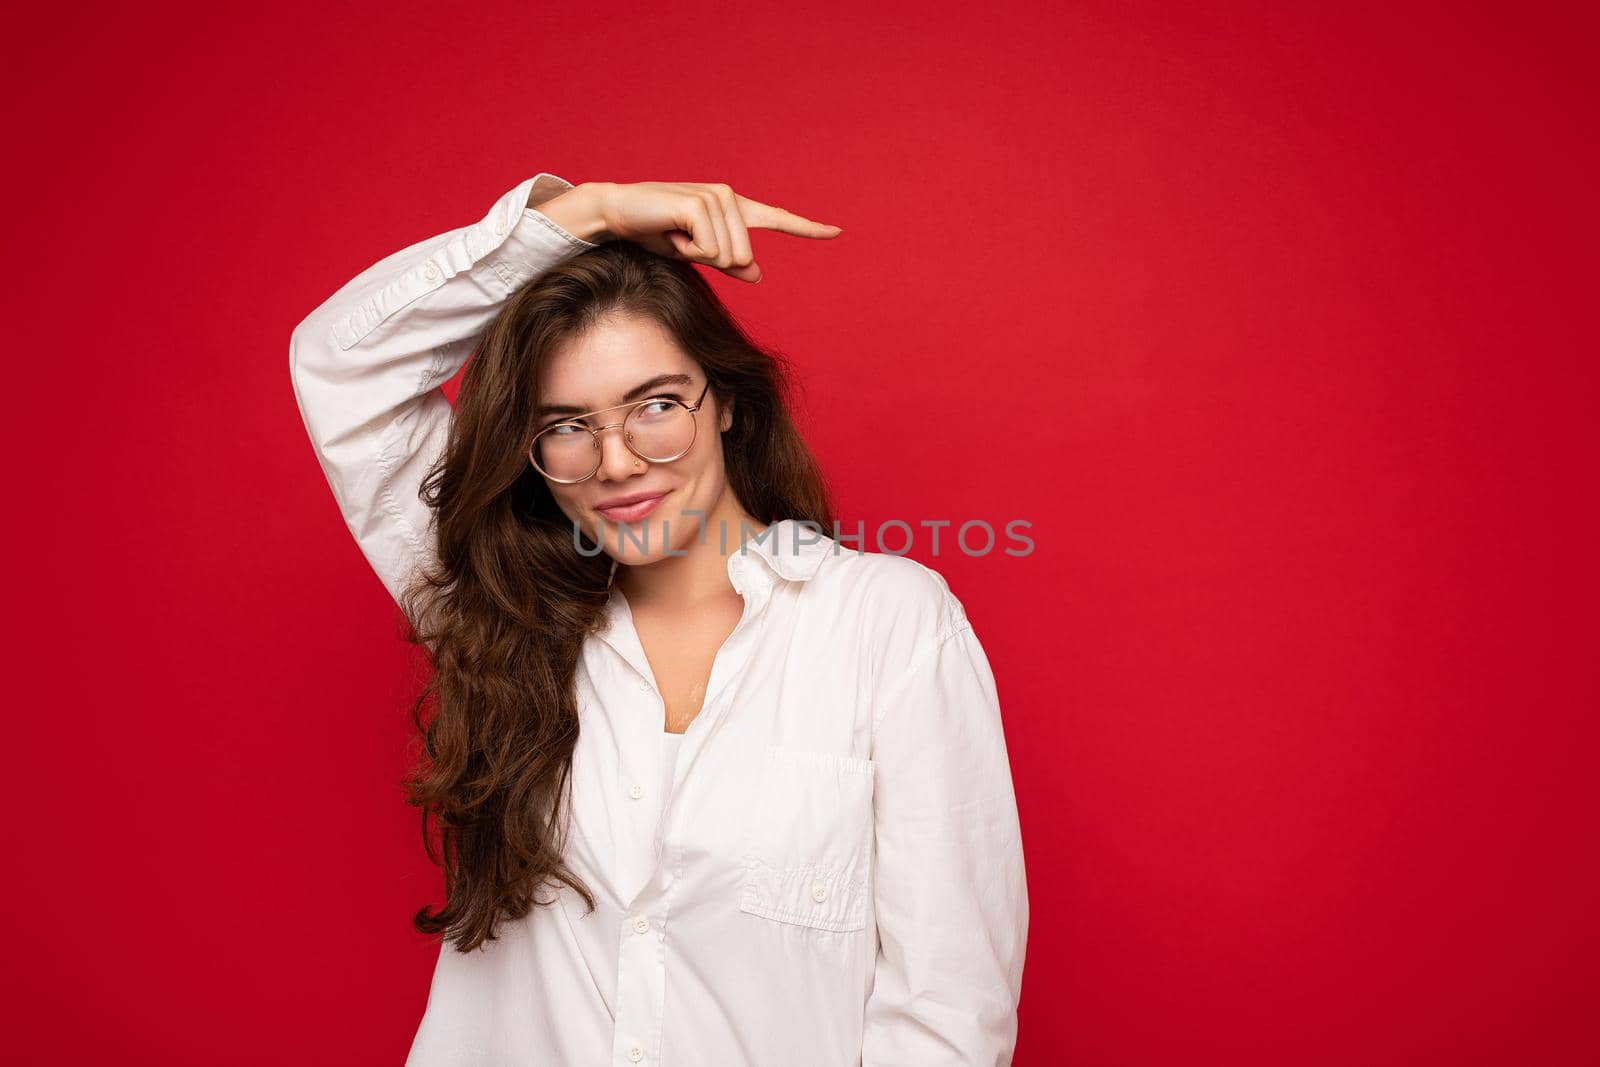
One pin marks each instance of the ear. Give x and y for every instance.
(725, 415)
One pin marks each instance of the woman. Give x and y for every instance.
(712, 787)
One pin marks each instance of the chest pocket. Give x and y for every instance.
(810, 840)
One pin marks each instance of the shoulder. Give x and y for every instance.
(895, 606)
(894, 626)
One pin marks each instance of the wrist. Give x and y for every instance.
(579, 211)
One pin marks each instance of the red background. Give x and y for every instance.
(1274, 320)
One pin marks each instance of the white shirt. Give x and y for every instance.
(827, 871)
(670, 743)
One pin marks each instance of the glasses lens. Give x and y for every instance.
(660, 430)
(566, 452)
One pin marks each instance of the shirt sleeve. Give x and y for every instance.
(367, 364)
(950, 889)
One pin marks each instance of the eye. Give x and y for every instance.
(563, 429)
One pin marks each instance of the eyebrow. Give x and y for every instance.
(638, 392)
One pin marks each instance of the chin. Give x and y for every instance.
(645, 541)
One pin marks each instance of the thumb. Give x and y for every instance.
(685, 245)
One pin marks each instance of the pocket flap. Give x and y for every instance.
(818, 897)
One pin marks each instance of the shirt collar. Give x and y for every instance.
(787, 550)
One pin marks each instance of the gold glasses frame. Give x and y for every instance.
(627, 436)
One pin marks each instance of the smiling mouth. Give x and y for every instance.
(632, 512)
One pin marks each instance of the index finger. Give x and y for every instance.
(768, 217)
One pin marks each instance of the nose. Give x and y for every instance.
(616, 460)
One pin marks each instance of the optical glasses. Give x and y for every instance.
(658, 429)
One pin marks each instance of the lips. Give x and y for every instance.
(631, 508)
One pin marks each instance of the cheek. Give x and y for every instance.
(708, 456)
(707, 475)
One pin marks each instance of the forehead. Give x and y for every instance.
(595, 368)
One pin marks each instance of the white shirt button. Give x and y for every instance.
(819, 892)
(500, 227)
(431, 271)
(644, 686)
(636, 1054)
(636, 792)
(641, 925)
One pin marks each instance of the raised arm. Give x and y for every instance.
(367, 364)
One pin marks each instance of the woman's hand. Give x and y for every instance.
(704, 222)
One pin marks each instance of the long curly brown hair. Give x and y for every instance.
(503, 612)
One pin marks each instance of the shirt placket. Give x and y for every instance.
(641, 949)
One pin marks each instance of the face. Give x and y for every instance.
(631, 358)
